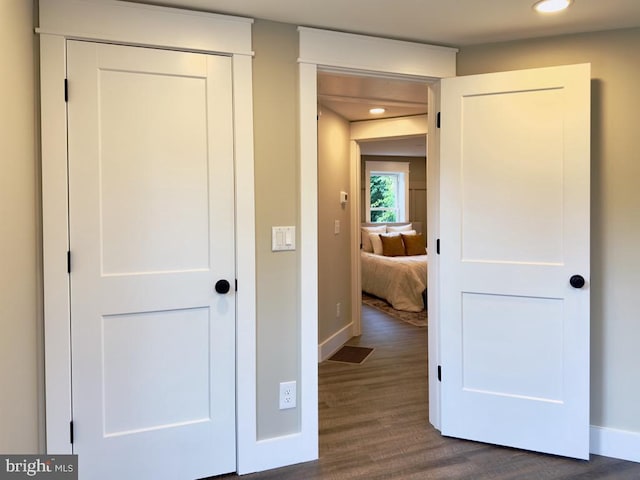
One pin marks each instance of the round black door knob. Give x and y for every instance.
(577, 281)
(222, 286)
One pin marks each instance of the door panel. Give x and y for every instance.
(515, 228)
(151, 231)
(145, 193)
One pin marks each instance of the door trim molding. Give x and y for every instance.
(133, 24)
(323, 49)
(142, 25)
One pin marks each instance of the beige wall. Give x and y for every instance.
(275, 87)
(20, 284)
(615, 201)
(334, 264)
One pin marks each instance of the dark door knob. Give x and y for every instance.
(577, 281)
(222, 286)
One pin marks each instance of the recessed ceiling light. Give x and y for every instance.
(377, 111)
(551, 6)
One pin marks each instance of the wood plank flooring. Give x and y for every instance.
(374, 424)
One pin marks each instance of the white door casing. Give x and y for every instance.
(155, 27)
(514, 228)
(151, 215)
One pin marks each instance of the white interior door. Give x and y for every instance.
(514, 229)
(151, 231)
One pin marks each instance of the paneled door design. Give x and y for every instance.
(515, 259)
(151, 232)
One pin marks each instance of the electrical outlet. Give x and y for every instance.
(287, 395)
(338, 308)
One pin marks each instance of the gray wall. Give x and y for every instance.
(275, 90)
(20, 277)
(334, 257)
(615, 201)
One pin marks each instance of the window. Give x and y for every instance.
(387, 191)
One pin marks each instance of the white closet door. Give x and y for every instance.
(151, 232)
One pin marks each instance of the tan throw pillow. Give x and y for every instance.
(392, 246)
(414, 244)
(366, 242)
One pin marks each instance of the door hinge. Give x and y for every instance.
(236, 284)
(71, 431)
(66, 90)
(439, 373)
(68, 261)
(438, 120)
(438, 246)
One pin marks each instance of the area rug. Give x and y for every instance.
(351, 354)
(418, 319)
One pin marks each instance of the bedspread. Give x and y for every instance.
(399, 280)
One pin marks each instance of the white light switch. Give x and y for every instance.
(283, 238)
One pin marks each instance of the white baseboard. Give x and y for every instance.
(614, 443)
(334, 342)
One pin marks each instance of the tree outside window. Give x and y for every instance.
(384, 198)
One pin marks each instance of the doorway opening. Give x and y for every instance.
(349, 136)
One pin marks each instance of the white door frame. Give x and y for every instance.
(362, 54)
(167, 28)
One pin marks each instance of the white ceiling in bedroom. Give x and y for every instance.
(351, 97)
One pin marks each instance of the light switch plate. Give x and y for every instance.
(283, 238)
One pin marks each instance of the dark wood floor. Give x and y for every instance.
(374, 424)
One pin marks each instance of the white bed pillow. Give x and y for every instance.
(376, 243)
(365, 235)
(400, 228)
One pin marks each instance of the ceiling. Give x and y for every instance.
(352, 96)
(455, 23)
(442, 22)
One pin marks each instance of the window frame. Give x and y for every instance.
(401, 169)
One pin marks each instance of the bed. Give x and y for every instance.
(401, 280)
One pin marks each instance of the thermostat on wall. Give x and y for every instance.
(344, 197)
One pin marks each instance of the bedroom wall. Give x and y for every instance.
(417, 186)
(20, 256)
(615, 201)
(334, 265)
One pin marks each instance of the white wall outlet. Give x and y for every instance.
(287, 395)
(338, 308)
(336, 227)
